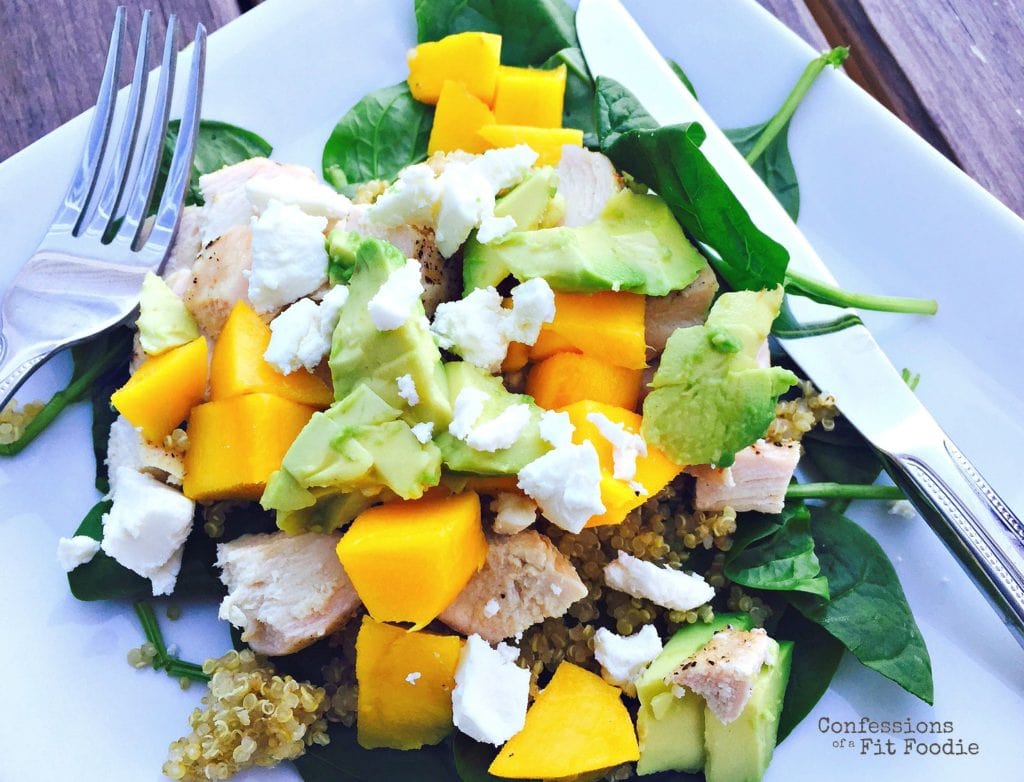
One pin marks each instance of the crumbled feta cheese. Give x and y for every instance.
(72, 552)
(533, 304)
(491, 608)
(289, 257)
(424, 431)
(410, 200)
(413, 677)
(506, 166)
(301, 335)
(513, 513)
(330, 308)
(313, 198)
(392, 304)
(467, 199)
(556, 428)
(566, 483)
(493, 228)
(468, 407)
(407, 390)
(662, 586)
(146, 527)
(491, 692)
(502, 431)
(626, 446)
(623, 659)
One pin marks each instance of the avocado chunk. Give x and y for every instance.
(671, 729)
(361, 354)
(459, 456)
(164, 322)
(635, 245)
(711, 398)
(742, 750)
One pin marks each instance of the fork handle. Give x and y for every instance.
(971, 519)
(19, 358)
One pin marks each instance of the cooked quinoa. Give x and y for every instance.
(796, 417)
(14, 419)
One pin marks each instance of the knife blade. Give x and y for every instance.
(960, 506)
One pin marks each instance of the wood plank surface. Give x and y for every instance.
(52, 54)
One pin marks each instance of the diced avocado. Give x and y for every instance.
(711, 398)
(742, 750)
(671, 729)
(635, 245)
(331, 510)
(164, 322)
(285, 494)
(342, 247)
(460, 457)
(361, 354)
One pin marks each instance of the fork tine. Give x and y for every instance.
(69, 213)
(116, 177)
(146, 175)
(172, 201)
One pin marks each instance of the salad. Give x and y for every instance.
(574, 484)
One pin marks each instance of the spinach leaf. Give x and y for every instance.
(578, 107)
(617, 111)
(218, 144)
(103, 414)
(841, 455)
(103, 578)
(868, 611)
(669, 161)
(677, 69)
(472, 759)
(783, 561)
(384, 132)
(774, 165)
(816, 656)
(531, 30)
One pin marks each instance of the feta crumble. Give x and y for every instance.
(392, 304)
(624, 658)
(556, 428)
(301, 335)
(626, 446)
(468, 407)
(312, 197)
(533, 305)
(513, 513)
(289, 256)
(500, 432)
(424, 431)
(663, 586)
(412, 198)
(407, 390)
(413, 677)
(566, 483)
(491, 692)
(72, 552)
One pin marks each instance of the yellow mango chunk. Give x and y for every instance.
(577, 724)
(470, 59)
(161, 392)
(458, 117)
(654, 471)
(527, 96)
(235, 444)
(548, 343)
(608, 325)
(405, 686)
(409, 560)
(238, 367)
(564, 378)
(546, 142)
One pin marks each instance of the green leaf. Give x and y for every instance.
(788, 327)
(472, 759)
(578, 107)
(868, 611)
(774, 165)
(617, 111)
(816, 656)
(103, 414)
(783, 561)
(669, 161)
(103, 578)
(384, 132)
(677, 69)
(531, 30)
(218, 144)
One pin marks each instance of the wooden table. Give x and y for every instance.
(952, 70)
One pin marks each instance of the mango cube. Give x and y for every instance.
(468, 58)
(608, 325)
(564, 378)
(459, 116)
(527, 96)
(235, 444)
(405, 686)
(160, 394)
(238, 367)
(409, 560)
(546, 142)
(577, 724)
(548, 343)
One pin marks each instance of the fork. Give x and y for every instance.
(86, 275)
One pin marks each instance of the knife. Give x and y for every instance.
(959, 505)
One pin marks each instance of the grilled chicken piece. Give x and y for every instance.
(586, 180)
(524, 581)
(219, 279)
(187, 243)
(756, 481)
(679, 309)
(285, 592)
(127, 448)
(724, 671)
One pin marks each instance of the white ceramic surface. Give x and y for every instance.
(886, 212)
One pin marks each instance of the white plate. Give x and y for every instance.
(885, 211)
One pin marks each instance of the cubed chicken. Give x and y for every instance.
(219, 279)
(757, 480)
(186, 246)
(679, 309)
(586, 180)
(127, 448)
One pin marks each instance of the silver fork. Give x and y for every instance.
(86, 274)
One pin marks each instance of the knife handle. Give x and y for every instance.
(971, 519)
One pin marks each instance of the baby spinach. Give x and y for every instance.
(344, 759)
(677, 69)
(103, 577)
(617, 111)
(816, 656)
(669, 161)
(384, 132)
(783, 559)
(868, 611)
(578, 106)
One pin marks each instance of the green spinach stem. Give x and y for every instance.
(844, 491)
(164, 660)
(829, 294)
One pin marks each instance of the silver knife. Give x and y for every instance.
(959, 505)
